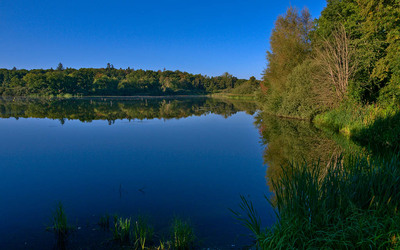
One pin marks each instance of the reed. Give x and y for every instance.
(122, 230)
(60, 225)
(182, 234)
(350, 203)
(142, 233)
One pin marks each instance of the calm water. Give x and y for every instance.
(161, 158)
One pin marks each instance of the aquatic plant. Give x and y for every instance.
(60, 225)
(182, 234)
(142, 233)
(122, 230)
(164, 245)
(348, 204)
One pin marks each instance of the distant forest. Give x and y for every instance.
(110, 81)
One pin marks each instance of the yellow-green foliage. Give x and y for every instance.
(372, 125)
(246, 88)
(122, 230)
(299, 99)
(142, 233)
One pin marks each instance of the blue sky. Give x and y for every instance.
(207, 37)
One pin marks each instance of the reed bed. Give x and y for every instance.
(349, 203)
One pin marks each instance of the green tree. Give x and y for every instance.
(60, 67)
(36, 82)
(290, 46)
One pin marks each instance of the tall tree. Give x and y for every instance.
(60, 67)
(335, 58)
(289, 46)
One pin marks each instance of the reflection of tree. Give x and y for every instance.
(292, 141)
(111, 109)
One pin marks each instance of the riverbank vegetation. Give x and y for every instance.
(341, 69)
(245, 91)
(350, 203)
(110, 81)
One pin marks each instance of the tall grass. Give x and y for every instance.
(348, 204)
(142, 233)
(122, 230)
(182, 234)
(370, 125)
(138, 234)
(60, 225)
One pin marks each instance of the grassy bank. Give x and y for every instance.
(348, 204)
(374, 126)
(250, 97)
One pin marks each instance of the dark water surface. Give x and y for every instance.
(160, 158)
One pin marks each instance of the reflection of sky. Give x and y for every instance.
(197, 167)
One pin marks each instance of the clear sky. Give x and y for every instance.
(203, 36)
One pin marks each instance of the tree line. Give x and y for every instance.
(349, 55)
(109, 81)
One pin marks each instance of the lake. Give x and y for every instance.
(161, 158)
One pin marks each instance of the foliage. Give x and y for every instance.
(290, 45)
(347, 204)
(286, 80)
(350, 53)
(300, 99)
(246, 88)
(109, 81)
(374, 126)
(373, 29)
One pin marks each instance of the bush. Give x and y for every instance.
(299, 99)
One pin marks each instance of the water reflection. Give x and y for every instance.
(195, 164)
(112, 109)
(289, 140)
